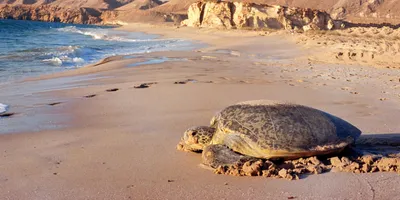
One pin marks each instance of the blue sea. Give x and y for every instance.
(30, 48)
(34, 48)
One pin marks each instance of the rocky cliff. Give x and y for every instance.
(97, 12)
(96, 4)
(353, 11)
(51, 13)
(221, 14)
(363, 12)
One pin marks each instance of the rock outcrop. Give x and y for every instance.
(138, 12)
(50, 13)
(96, 4)
(220, 14)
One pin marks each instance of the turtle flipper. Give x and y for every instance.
(378, 144)
(220, 155)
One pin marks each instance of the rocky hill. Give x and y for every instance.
(360, 11)
(141, 5)
(82, 11)
(51, 13)
(96, 4)
(356, 11)
(230, 15)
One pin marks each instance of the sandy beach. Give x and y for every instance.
(119, 142)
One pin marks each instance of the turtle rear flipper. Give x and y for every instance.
(378, 144)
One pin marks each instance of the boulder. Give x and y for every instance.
(221, 14)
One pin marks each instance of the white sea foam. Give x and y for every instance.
(78, 60)
(58, 61)
(62, 51)
(68, 48)
(103, 34)
(3, 108)
(58, 49)
(97, 34)
(55, 60)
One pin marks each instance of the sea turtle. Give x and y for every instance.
(268, 130)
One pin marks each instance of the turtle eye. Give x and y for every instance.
(192, 137)
(193, 133)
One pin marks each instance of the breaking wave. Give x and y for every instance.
(97, 34)
(59, 61)
(33, 48)
(3, 108)
(107, 34)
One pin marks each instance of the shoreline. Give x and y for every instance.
(122, 143)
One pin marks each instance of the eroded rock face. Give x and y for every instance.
(229, 15)
(194, 15)
(216, 15)
(50, 13)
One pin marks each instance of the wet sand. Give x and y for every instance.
(120, 144)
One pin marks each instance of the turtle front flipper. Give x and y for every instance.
(220, 155)
(240, 144)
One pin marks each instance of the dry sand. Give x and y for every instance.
(120, 144)
(378, 47)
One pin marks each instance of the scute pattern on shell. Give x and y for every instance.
(288, 127)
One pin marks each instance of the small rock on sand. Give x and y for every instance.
(7, 114)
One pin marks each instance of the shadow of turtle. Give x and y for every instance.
(387, 144)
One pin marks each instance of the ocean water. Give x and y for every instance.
(32, 48)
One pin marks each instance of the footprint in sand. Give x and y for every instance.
(180, 82)
(144, 85)
(54, 104)
(90, 96)
(186, 81)
(141, 86)
(112, 90)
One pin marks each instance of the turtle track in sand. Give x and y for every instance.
(370, 46)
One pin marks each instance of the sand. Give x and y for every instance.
(120, 144)
(370, 46)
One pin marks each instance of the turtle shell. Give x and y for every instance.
(266, 129)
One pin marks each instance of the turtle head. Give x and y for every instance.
(196, 138)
